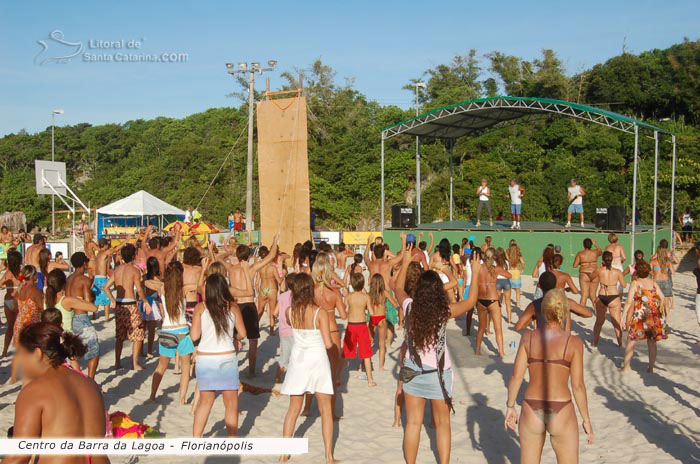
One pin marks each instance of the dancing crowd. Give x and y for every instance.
(328, 307)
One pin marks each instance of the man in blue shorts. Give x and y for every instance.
(575, 193)
(516, 192)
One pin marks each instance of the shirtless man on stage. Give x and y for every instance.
(31, 256)
(246, 303)
(104, 255)
(127, 317)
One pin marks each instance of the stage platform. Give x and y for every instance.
(504, 226)
(533, 237)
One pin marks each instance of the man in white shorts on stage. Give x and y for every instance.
(515, 192)
(575, 194)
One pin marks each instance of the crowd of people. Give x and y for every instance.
(328, 307)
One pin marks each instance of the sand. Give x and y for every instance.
(641, 418)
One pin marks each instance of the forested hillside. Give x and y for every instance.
(176, 159)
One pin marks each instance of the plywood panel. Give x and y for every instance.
(283, 171)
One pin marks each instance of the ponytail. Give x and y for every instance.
(607, 260)
(53, 342)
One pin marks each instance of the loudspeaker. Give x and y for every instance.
(617, 218)
(601, 218)
(402, 217)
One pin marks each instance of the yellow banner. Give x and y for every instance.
(358, 238)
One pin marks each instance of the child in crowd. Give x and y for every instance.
(357, 332)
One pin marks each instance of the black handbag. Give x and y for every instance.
(406, 374)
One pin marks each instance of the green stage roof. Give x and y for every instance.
(475, 116)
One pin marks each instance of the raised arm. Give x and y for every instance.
(368, 258)
(268, 259)
(461, 307)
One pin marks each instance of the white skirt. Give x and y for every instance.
(309, 371)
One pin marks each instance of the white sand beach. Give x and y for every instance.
(640, 418)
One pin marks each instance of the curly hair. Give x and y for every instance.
(412, 275)
(490, 261)
(429, 311)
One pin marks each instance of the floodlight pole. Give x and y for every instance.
(634, 189)
(673, 188)
(656, 175)
(250, 68)
(418, 85)
(452, 147)
(381, 225)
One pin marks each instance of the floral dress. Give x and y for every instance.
(648, 322)
(28, 313)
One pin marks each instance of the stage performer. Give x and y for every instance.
(575, 194)
(483, 191)
(516, 193)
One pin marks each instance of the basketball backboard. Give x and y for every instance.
(49, 173)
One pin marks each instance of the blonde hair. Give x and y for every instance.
(612, 237)
(555, 306)
(489, 261)
(662, 256)
(514, 254)
(217, 267)
(321, 271)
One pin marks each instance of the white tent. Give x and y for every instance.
(138, 209)
(140, 203)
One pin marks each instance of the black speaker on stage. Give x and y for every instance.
(617, 218)
(601, 218)
(402, 217)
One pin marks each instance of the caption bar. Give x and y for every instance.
(159, 446)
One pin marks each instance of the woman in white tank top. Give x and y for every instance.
(309, 369)
(215, 324)
(174, 340)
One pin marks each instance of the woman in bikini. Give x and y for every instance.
(643, 315)
(551, 356)
(609, 298)
(587, 262)
(269, 283)
(10, 281)
(379, 296)
(329, 299)
(153, 289)
(488, 304)
(517, 267)
(662, 270)
(503, 283)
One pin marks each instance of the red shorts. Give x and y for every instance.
(357, 336)
(238, 226)
(375, 320)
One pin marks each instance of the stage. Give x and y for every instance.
(533, 237)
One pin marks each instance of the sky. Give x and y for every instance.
(379, 45)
